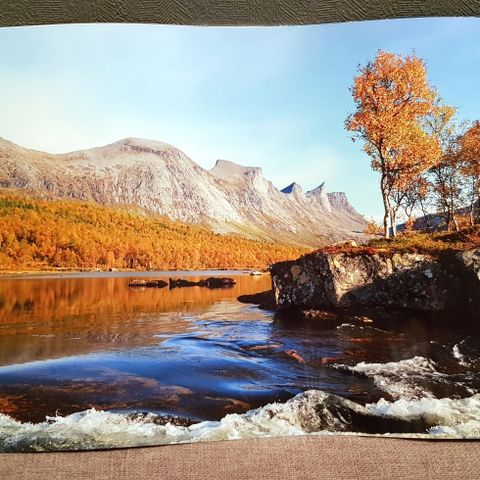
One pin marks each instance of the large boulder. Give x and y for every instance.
(400, 280)
(469, 262)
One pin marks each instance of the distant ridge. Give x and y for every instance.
(161, 178)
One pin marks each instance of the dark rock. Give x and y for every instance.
(405, 281)
(264, 300)
(217, 282)
(320, 410)
(210, 282)
(148, 283)
(181, 282)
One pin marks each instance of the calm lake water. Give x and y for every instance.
(192, 356)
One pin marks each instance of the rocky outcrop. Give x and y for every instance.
(158, 177)
(406, 281)
(469, 262)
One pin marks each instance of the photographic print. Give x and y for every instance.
(220, 233)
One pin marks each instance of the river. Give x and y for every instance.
(87, 362)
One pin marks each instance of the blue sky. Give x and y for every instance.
(274, 97)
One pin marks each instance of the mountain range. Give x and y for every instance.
(160, 178)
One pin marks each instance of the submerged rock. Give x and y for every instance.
(400, 280)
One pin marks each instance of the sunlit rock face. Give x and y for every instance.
(162, 179)
(409, 281)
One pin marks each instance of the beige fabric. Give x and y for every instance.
(332, 458)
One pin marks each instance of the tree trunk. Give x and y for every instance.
(386, 207)
(447, 212)
(427, 220)
(393, 221)
(455, 222)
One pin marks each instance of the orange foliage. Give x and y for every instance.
(470, 149)
(469, 152)
(38, 234)
(372, 228)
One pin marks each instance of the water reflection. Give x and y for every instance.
(44, 318)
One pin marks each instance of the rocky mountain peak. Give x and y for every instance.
(227, 170)
(319, 194)
(292, 188)
(134, 142)
(339, 201)
(317, 191)
(134, 145)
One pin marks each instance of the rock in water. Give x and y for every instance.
(210, 282)
(264, 300)
(220, 282)
(316, 410)
(148, 283)
(406, 280)
(180, 282)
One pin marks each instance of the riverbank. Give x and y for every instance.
(118, 272)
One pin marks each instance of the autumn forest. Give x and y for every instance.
(41, 234)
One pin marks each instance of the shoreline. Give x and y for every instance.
(7, 274)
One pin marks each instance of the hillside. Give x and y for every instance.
(158, 177)
(42, 234)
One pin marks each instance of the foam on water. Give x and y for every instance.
(101, 429)
(445, 416)
(460, 356)
(398, 378)
(312, 412)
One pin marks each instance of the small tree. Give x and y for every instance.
(393, 98)
(409, 198)
(448, 182)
